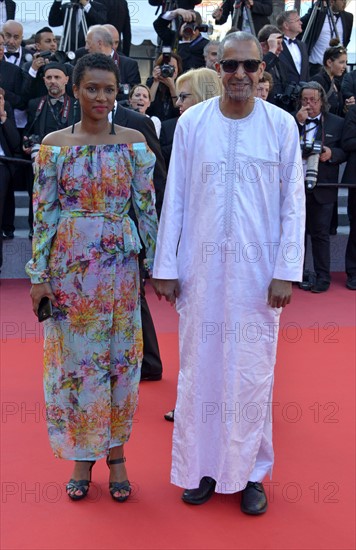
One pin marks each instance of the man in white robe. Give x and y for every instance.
(230, 244)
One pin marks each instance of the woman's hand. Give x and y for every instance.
(38, 292)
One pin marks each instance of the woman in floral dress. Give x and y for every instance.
(85, 249)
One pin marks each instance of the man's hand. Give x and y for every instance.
(302, 114)
(187, 15)
(249, 3)
(217, 14)
(274, 42)
(169, 288)
(326, 154)
(279, 293)
(38, 61)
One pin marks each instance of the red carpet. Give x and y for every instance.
(312, 497)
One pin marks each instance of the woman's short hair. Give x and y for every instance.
(94, 61)
(333, 53)
(132, 91)
(204, 83)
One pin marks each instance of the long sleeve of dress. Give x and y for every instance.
(46, 213)
(143, 200)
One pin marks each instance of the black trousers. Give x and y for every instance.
(5, 179)
(318, 226)
(151, 363)
(350, 256)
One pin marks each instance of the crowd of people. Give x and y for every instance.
(99, 143)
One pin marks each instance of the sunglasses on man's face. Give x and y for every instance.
(231, 65)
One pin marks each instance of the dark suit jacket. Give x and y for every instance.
(190, 52)
(348, 85)
(96, 16)
(328, 172)
(346, 20)
(128, 69)
(11, 79)
(119, 16)
(131, 119)
(10, 9)
(335, 99)
(166, 138)
(287, 60)
(45, 123)
(9, 137)
(23, 53)
(348, 143)
(260, 11)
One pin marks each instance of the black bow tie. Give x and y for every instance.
(291, 40)
(12, 54)
(315, 121)
(55, 100)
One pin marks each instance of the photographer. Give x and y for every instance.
(191, 43)
(260, 10)
(46, 52)
(271, 41)
(93, 12)
(48, 113)
(163, 87)
(320, 138)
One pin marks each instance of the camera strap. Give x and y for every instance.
(64, 112)
(38, 112)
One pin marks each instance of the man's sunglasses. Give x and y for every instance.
(231, 65)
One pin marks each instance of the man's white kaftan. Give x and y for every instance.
(233, 219)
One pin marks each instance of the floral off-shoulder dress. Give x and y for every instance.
(86, 245)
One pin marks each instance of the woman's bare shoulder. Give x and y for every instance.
(59, 138)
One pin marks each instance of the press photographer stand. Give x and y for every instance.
(238, 12)
(66, 40)
(319, 6)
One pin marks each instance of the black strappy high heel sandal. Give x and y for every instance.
(81, 485)
(117, 486)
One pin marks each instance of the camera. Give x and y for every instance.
(190, 28)
(31, 140)
(167, 70)
(290, 96)
(311, 148)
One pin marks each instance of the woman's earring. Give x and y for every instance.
(112, 131)
(75, 113)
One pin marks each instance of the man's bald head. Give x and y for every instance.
(13, 32)
(114, 35)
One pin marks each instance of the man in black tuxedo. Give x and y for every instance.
(348, 85)
(348, 143)
(191, 44)
(271, 40)
(93, 12)
(14, 85)
(294, 54)
(15, 53)
(128, 68)
(9, 145)
(323, 31)
(7, 10)
(151, 363)
(48, 113)
(317, 125)
(260, 11)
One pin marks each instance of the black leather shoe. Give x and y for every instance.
(151, 377)
(202, 494)
(254, 500)
(8, 234)
(351, 282)
(320, 286)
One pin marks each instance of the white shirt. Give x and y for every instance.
(317, 53)
(295, 53)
